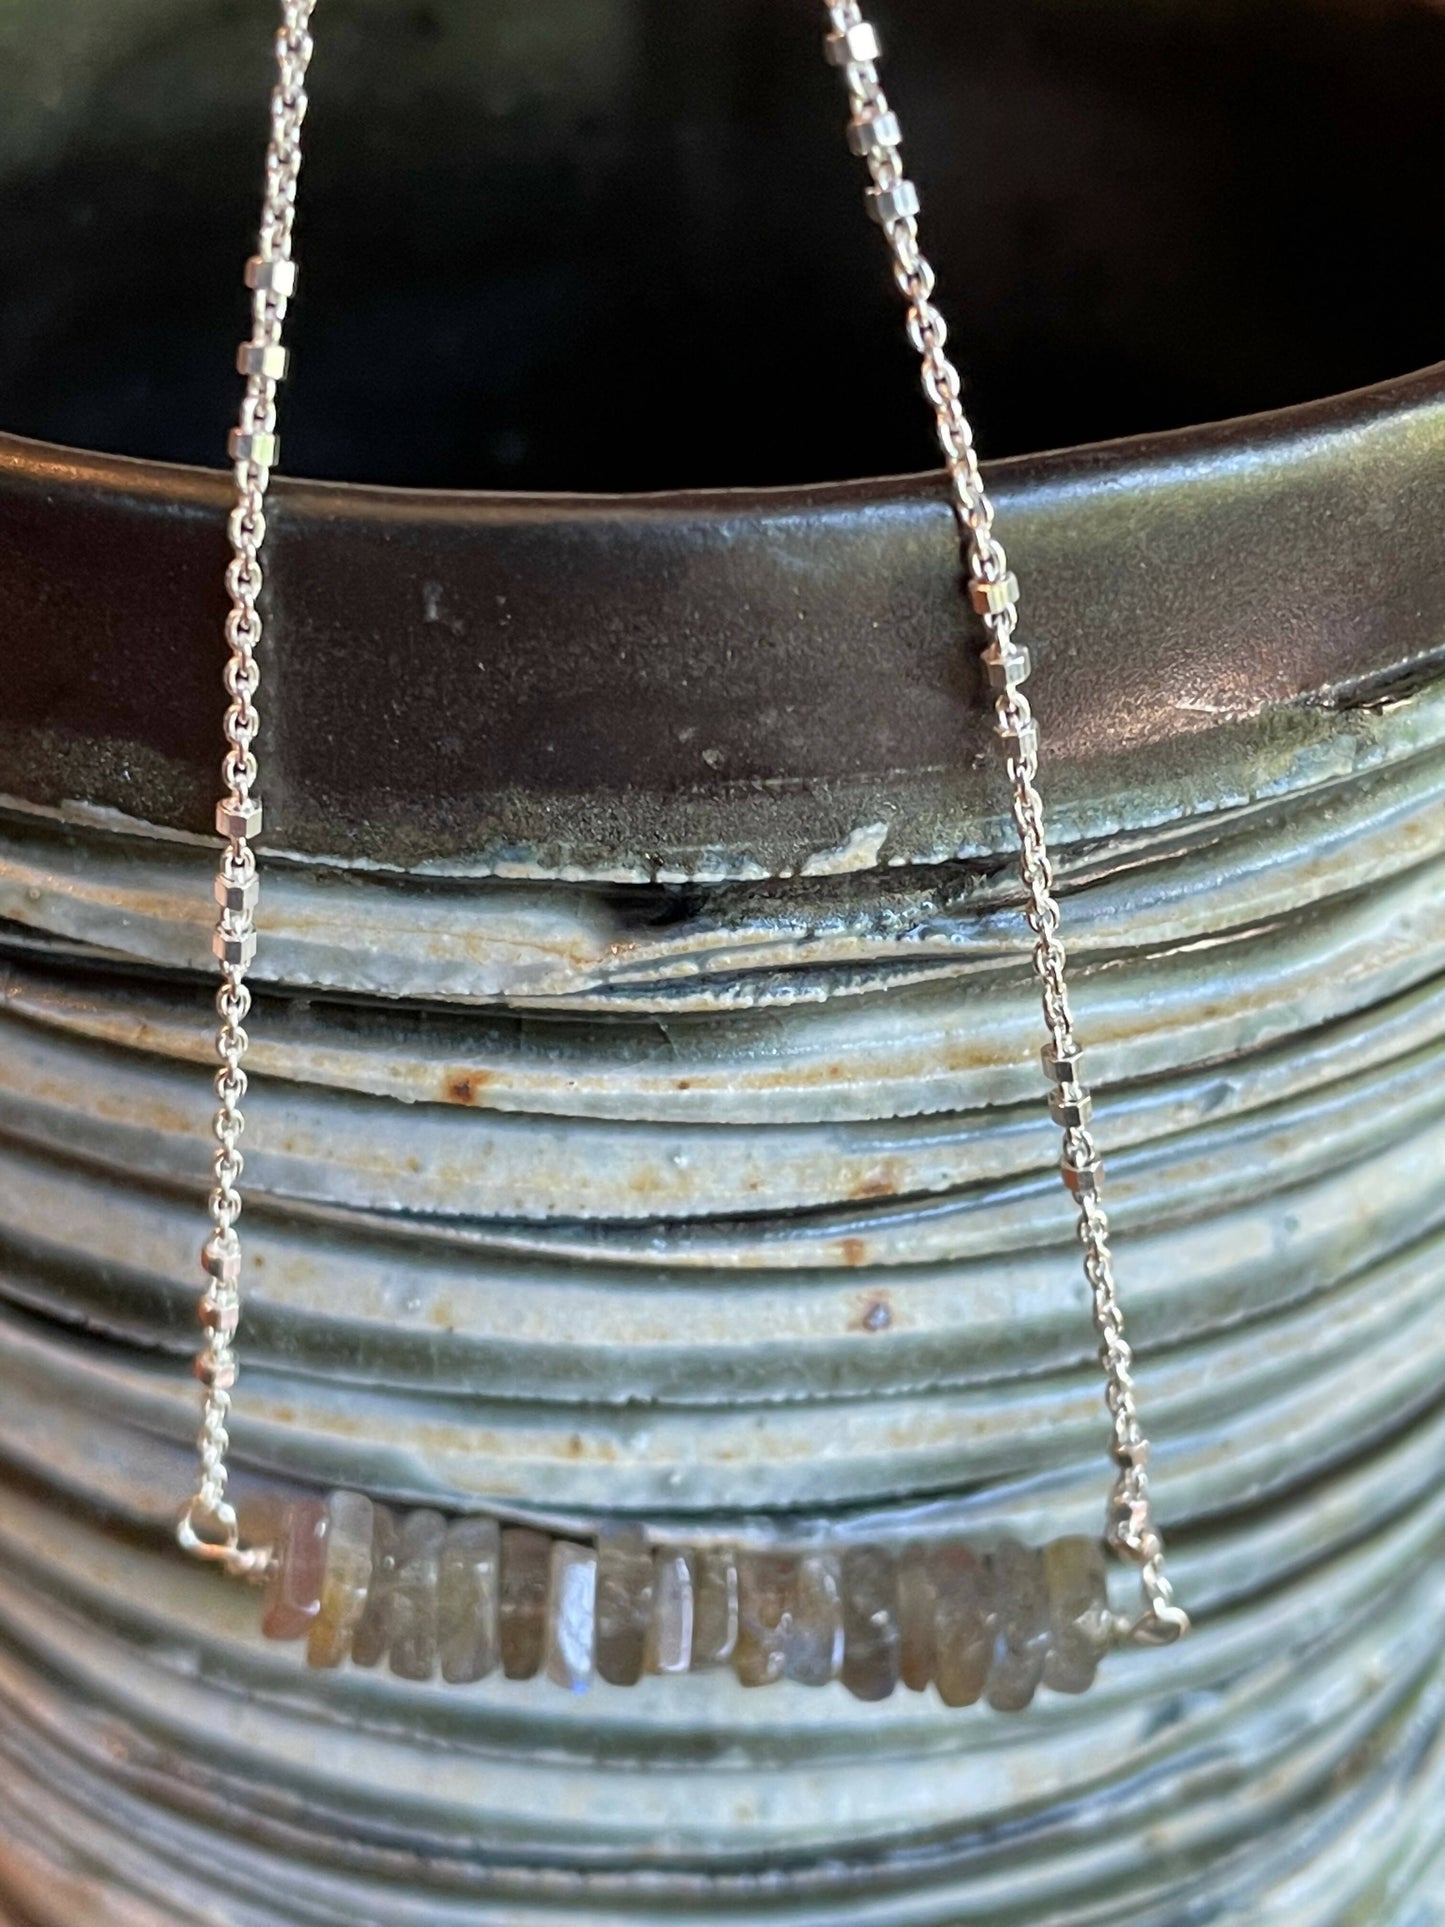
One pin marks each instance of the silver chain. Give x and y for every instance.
(874, 135)
(208, 1525)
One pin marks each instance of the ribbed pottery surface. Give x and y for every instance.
(708, 1205)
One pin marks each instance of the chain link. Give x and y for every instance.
(208, 1525)
(874, 135)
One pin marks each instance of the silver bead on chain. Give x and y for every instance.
(208, 1525)
(874, 135)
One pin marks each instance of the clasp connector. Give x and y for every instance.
(1160, 1624)
(212, 1533)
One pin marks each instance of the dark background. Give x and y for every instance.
(619, 244)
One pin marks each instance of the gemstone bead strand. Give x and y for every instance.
(469, 1597)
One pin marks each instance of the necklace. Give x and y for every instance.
(360, 1582)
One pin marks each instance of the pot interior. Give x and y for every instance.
(619, 244)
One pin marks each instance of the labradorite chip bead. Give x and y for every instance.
(413, 1628)
(767, 1584)
(522, 1604)
(468, 1588)
(813, 1646)
(293, 1592)
(346, 1579)
(674, 1605)
(917, 1611)
(964, 1623)
(714, 1608)
(1021, 1601)
(571, 1615)
(373, 1631)
(1079, 1624)
(872, 1639)
(624, 1604)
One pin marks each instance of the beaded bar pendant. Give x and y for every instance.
(467, 1598)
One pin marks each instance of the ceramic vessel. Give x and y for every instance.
(645, 1119)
